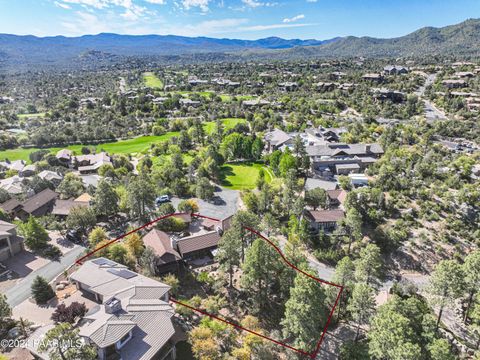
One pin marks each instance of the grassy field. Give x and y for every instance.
(243, 176)
(152, 81)
(138, 144)
(228, 124)
(26, 116)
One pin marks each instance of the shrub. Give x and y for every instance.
(69, 313)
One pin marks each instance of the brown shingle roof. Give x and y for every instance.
(160, 242)
(63, 207)
(10, 205)
(198, 242)
(339, 194)
(322, 216)
(39, 200)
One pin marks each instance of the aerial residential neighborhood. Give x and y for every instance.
(239, 180)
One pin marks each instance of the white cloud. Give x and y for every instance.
(208, 27)
(293, 19)
(158, 2)
(98, 4)
(202, 4)
(63, 6)
(312, 1)
(85, 23)
(273, 26)
(255, 3)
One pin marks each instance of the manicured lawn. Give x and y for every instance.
(138, 144)
(26, 116)
(151, 80)
(228, 124)
(242, 176)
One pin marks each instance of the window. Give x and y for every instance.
(124, 340)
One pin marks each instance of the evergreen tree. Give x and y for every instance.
(63, 343)
(361, 305)
(41, 290)
(229, 251)
(368, 265)
(141, 197)
(35, 236)
(106, 199)
(471, 269)
(305, 312)
(446, 284)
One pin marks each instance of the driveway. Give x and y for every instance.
(227, 203)
(21, 291)
(40, 315)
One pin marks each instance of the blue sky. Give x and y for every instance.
(244, 19)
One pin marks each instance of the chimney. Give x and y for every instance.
(113, 305)
(174, 242)
(367, 148)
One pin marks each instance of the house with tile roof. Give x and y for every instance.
(343, 159)
(133, 319)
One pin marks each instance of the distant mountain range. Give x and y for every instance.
(16, 51)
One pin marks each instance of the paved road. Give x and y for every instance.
(21, 291)
(432, 113)
(227, 204)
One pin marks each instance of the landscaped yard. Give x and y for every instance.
(228, 123)
(243, 176)
(151, 80)
(138, 144)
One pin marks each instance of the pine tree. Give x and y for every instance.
(106, 199)
(229, 251)
(305, 312)
(41, 290)
(446, 284)
(361, 305)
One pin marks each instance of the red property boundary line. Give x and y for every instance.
(312, 355)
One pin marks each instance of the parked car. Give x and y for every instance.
(162, 199)
(74, 236)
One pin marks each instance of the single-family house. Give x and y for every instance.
(325, 220)
(201, 246)
(10, 243)
(90, 163)
(134, 318)
(374, 77)
(311, 184)
(167, 259)
(276, 139)
(336, 198)
(330, 156)
(395, 70)
(51, 176)
(13, 185)
(38, 205)
(454, 83)
(64, 156)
